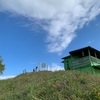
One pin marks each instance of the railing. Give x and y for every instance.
(96, 60)
(84, 61)
(80, 62)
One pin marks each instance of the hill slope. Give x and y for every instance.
(61, 85)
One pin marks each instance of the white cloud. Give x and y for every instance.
(62, 17)
(6, 77)
(55, 67)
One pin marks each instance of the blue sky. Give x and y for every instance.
(23, 47)
(30, 35)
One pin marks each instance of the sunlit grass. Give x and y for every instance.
(45, 85)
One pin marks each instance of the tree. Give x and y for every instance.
(2, 66)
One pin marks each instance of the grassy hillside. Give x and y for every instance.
(61, 85)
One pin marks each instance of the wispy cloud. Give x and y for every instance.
(55, 67)
(6, 77)
(61, 17)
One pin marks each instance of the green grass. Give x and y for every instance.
(61, 85)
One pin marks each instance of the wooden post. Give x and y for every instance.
(82, 53)
(90, 61)
(89, 55)
(95, 54)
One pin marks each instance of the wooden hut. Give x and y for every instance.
(86, 59)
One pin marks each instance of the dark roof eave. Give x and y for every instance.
(65, 57)
(88, 47)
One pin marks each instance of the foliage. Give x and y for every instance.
(46, 85)
(2, 66)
